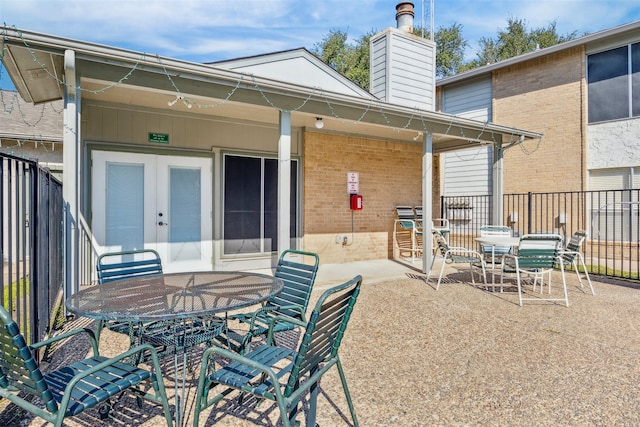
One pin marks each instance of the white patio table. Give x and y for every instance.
(497, 241)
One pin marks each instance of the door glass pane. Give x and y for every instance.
(124, 217)
(242, 194)
(184, 214)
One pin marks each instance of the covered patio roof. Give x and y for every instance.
(35, 63)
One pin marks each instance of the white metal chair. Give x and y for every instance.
(571, 255)
(438, 224)
(537, 256)
(456, 255)
(406, 233)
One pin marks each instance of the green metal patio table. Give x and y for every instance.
(175, 297)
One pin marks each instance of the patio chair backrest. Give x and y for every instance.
(539, 250)
(127, 264)
(573, 246)
(18, 365)
(441, 244)
(495, 230)
(406, 216)
(298, 279)
(324, 331)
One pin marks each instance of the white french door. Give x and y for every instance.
(154, 202)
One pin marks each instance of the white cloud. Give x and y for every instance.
(207, 30)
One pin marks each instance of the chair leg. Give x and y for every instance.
(519, 287)
(343, 379)
(564, 284)
(586, 273)
(440, 276)
(433, 260)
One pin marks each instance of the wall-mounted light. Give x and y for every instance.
(319, 123)
(513, 218)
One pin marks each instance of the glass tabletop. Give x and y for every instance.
(173, 296)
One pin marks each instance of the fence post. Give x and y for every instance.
(529, 213)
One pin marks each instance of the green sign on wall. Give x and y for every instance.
(159, 138)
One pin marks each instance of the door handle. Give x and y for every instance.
(163, 223)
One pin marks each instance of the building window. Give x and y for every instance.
(615, 203)
(613, 79)
(251, 204)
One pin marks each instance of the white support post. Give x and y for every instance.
(70, 174)
(427, 202)
(284, 182)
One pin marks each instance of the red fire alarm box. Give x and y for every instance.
(356, 202)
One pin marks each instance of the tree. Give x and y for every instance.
(352, 61)
(450, 46)
(515, 40)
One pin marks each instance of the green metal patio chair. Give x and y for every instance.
(571, 255)
(74, 388)
(284, 375)
(456, 255)
(298, 278)
(113, 266)
(537, 256)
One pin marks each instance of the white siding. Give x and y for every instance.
(471, 100)
(468, 172)
(403, 69)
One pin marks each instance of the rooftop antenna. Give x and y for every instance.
(422, 22)
(432, 20)
(431, 34)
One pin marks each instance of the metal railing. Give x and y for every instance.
(611, 219)
(31, 235)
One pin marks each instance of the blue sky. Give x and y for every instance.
(211, 30)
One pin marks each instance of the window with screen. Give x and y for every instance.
(613, 79)
(250, 224)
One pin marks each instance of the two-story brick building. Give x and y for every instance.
(584, 95)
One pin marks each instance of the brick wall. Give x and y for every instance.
(544, 95)
(390, 175)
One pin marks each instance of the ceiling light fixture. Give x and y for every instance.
(319, 123)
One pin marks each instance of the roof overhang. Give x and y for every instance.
(106, 74)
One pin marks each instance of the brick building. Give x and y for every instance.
(565, 92)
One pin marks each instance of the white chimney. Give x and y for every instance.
(403, 65)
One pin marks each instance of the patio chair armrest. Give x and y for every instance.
(459, 250)
(68, 334)
(505, 257)
(286, 319)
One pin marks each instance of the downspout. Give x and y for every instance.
(70, 179)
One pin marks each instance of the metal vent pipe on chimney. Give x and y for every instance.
(404, 16)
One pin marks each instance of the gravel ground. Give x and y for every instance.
(460, 356)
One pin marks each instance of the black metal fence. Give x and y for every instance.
(31, 236)
(611, 218)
